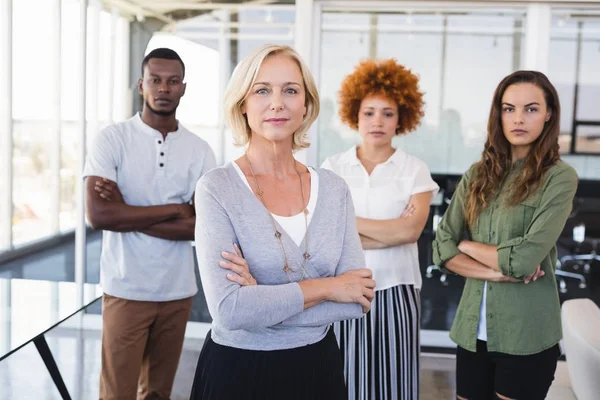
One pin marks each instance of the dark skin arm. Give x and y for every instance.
(106, 210)
(178, 229)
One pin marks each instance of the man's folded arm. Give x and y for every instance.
(120, 217)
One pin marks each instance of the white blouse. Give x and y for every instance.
(384, 195)
(295, 226)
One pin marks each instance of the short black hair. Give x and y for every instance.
(163, 53)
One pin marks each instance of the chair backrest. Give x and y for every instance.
(581, 332)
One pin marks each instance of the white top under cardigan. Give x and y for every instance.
(271, 315)
(295, 225)
(384, 195)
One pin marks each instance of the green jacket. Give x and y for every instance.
(521, 319)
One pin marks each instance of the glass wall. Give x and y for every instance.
(45, 158)
(460, 58)
(460, 55)
(574, 58)
(211, 45)
(33, 127)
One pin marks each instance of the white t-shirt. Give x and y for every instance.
(295, 226)
(482, 325)
(149, 171)
(384, 195)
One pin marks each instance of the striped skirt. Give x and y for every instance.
(381, 350)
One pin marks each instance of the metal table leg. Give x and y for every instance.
(44, 350)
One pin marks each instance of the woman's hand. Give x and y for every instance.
(463, 246)
(356, 286)
(408, 211)
(538, 273)
(505, 278)
(238, 264)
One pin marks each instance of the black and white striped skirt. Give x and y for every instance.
(381, 350)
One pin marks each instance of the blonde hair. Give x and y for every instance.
(242, 80)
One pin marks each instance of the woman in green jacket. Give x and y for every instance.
(500, 233)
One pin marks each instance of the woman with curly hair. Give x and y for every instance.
(391, 191)
(513, 205)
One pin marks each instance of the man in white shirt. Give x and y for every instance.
(141, 175)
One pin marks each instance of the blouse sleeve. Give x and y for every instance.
(520, 256)
(423, 181)
(452, 226)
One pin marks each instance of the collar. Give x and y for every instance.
(517, 165)
(147, 129)
(351, 158)
(398, 157)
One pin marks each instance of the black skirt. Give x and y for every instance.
(303, 373)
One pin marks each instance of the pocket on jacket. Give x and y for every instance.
(525, 211)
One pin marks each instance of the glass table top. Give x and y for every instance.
(30, 307)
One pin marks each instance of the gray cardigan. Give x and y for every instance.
(271, 315)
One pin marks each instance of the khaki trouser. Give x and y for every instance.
(141, 345)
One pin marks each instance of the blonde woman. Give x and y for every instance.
(277, 246)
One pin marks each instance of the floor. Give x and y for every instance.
(23, 375)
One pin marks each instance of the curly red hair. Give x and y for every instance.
(386, 78)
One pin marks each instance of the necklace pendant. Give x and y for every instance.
(259, 192)
(278, 234)
(286, 268)
(305, 211)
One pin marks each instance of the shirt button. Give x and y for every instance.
(489, 288)
(160, 142)
(162, 154)
(489, 315)
(161, 164)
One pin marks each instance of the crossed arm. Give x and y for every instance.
(106, 209)
(480, 261)
(379, 234)
(236, 301)
(464, 257)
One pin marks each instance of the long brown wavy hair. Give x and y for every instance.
(496, 159)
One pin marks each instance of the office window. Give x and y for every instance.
(101, 108)
(32, 113)
(211, 45)
(342, 47)
(45, 155)
(574, 56)
(459, 58)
